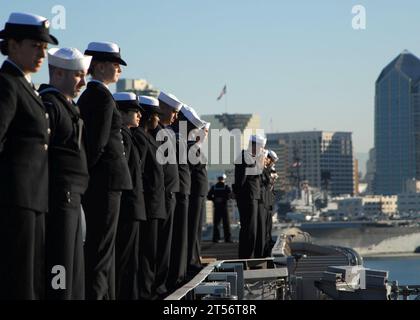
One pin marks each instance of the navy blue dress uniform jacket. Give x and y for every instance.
(184, 171)
(183, 166)
(153, 176)
(170, 170)
(105, 150)
(266, 191)
(68, 163)
(199, 179)
(24, 140)
(132, 201)
(219, 193)
(246, 186)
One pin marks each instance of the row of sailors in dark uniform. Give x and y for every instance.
(254, 193)
(143, 217)
(255, 175)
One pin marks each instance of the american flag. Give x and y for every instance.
(222, 93)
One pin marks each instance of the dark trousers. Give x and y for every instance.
(269, 240)
(22, 264)
(179, 247)
(195, 211)
(248, 215)
(64, 246)
(127, 259)
(148, 258)
(164, 245)
(221, 214)
(102, 209)
(261, 239)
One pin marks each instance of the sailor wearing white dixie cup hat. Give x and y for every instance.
(108, 169)
(273, 156)
(23, 158)
(179, 247)
(170, 106)
(199, 186)
(132, 210)
(68, 171)
(247, 191)
(268, 178)
(154, 197)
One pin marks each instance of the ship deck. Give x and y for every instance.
(219, 251)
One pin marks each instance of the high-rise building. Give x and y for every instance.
(370, 171)
(322, 159)
(356, 177)
(221, 154)
(397, 124)
(139, 86)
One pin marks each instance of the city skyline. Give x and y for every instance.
(301, 66)
(397, 125)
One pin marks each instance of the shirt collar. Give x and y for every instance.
(51, 88)
(27, 76)
(100, 82)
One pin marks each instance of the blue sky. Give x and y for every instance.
(299, 64)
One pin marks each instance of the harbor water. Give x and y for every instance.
(404, 269)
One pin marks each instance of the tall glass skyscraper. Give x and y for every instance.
(397, 124)
(320, 154)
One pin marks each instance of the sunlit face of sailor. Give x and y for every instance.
(69, 82)
(131, 118)
(169, 114)
(28, 54)
(107, 72)
(174, 116)
(154, 121)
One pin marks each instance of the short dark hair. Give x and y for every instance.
(146, 116)
(92, 66)
(4, 48)
(4, 45)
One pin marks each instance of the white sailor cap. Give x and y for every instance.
(273, 155)
(27, 26)
(127, 101)
(170, 100)
(105, 51)
(192, 116)
(223, 177)
(258, 139)
(150, 101)
(150, 104)
(68, 58)
(125, 96)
